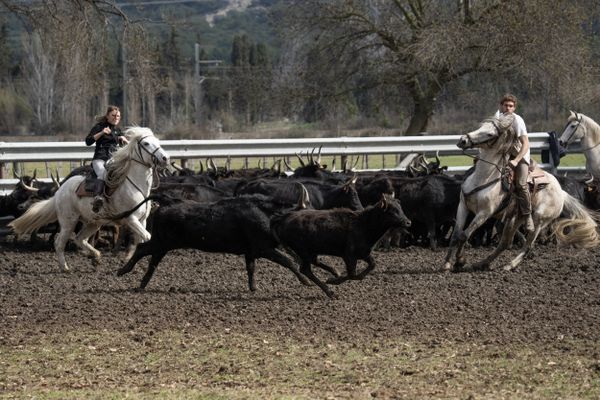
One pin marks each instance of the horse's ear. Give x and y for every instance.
(572, 114)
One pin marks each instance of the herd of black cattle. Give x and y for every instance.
(309, 212)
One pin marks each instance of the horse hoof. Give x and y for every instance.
(447, 267)
(508, 267)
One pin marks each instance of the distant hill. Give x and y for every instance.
(211, 23)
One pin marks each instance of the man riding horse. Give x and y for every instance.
(520, 159)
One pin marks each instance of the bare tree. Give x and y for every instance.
(423, 45)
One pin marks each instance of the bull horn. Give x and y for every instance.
(56, 183)
(355, 163)
(300, 158)
(260, 163)
(212, 164)
(319, 155)
(589, 181)
(437, 158)
(34, 174)
(177, 167)
(26, 187)
(413, 171)
(304, 198)
(287, 165)
(201, 167)
(333, 165)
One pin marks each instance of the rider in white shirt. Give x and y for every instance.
(521, 161)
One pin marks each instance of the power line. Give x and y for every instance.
(158, 2)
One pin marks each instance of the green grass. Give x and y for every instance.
(228, 365)
(373, 162)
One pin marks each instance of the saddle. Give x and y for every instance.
(536, 179)
(87, 188)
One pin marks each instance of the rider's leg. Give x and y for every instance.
(522, 194)
(100, 171)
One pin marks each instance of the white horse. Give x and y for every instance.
(582, 127)
(129, 174)
(483, 195)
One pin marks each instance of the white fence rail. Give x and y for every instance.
(77, 152)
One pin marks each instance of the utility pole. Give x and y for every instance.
(197, 84)
(125, 77)
(199, 79)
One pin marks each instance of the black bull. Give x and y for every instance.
(239, 225)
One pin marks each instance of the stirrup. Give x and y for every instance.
(98, 203)
(529, 226)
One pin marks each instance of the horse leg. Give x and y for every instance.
(279, 258)
(141, 251)
(154, 260)
(66, 229)
(508, 232)
(455, 246)
(530, 240)
(81, 239)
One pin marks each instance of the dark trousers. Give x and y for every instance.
(521, 188)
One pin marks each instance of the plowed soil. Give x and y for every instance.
(551, 304)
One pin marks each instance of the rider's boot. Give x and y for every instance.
(529, 227)
(98, 196)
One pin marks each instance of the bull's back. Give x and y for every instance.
(314, 232)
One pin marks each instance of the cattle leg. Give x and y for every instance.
(250, 267)
(350, 272)
(370, 267)
(432, 234)
(306, 269)
(277, 257)
(154, 260)
(142, 250)
(325, 267)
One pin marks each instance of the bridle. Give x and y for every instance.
(566, 142)
(138, 150)
(501, 169)
(141, 148)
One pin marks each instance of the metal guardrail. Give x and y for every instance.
(16, 152)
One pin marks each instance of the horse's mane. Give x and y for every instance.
(504, 124)
(117, 167)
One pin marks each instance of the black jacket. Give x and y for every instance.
(107, 144)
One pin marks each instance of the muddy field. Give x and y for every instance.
(406, 331)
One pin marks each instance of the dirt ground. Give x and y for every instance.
(549, 306)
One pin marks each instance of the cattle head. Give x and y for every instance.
(394, 216)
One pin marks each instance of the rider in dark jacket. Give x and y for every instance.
(107, 136)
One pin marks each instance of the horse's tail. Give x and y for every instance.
(38, 215)
(579, 229)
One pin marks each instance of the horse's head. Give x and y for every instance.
(147, 146)
(574, 130)
(494, 132)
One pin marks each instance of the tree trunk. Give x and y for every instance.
(422, 112)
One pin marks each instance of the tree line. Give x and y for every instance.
(408, 64)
